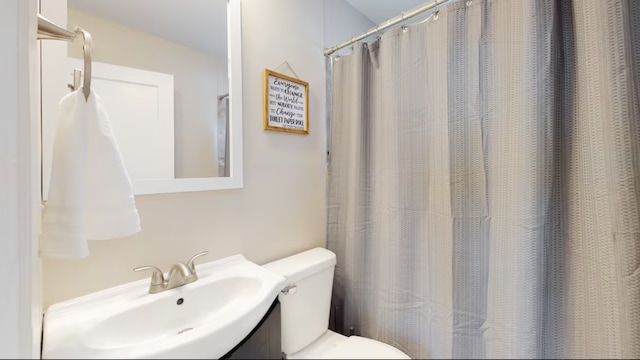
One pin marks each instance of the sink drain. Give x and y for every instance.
(184, 330)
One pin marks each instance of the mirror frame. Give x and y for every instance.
(235, 180)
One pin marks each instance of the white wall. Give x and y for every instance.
(281, 209)
(20, 313)
(343, 22)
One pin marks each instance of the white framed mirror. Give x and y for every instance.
(170, 74)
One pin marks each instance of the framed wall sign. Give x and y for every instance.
(286, 103)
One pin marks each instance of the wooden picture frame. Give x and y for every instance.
(286, 103)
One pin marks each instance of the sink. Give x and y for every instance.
(202, 319)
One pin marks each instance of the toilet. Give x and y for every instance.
(304, 307)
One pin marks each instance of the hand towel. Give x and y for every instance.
(90, 193)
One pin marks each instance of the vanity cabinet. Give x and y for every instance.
(264, 341)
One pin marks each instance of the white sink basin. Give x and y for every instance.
(203, 319)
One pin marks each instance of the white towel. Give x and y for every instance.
(90, 193)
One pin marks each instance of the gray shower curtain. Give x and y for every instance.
(484, 182)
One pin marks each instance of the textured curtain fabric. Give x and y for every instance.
(484, 183)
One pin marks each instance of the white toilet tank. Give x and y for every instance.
(305, 308)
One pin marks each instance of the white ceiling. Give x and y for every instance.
(195, 23)
(379, 11)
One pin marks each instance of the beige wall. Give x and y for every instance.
(280, 210)
(196, 84)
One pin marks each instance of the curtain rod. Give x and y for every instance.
(398, 19)
(48, 30)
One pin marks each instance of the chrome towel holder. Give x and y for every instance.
(47, 30)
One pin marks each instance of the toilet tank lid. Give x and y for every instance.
(302, 265)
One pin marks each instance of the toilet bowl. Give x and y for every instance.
(332, 345)
(304, 311)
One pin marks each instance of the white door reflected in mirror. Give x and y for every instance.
(188, 41)
(139, 103)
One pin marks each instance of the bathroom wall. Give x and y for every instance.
(342, 22)
(280, 210)
(195, 84)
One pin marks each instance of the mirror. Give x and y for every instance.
(169, 73)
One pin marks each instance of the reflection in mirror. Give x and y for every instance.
(179, 87)
(183, 42)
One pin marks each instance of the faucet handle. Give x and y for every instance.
(157, 278)
(191, 264)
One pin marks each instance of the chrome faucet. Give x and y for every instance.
(179, 274)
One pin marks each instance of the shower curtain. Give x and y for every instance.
(484, 182)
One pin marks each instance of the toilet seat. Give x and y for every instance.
(356, 347)
(332, 345)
